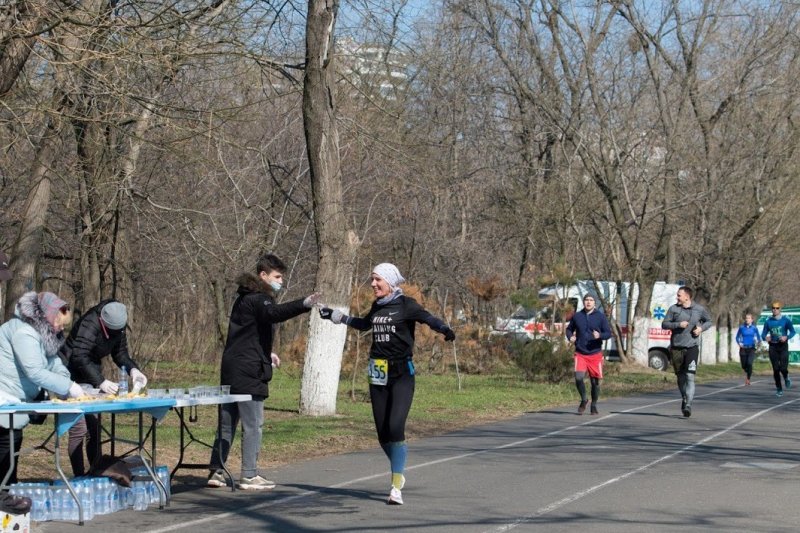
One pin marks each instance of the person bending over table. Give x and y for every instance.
(97, 333)
(29, 363)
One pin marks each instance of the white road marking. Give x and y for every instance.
(578, 495)
(551, 507)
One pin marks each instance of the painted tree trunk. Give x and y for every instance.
(708, 346)
(723, 349)
(338, 244)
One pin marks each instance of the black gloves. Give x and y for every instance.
(334, 315)
(449, 335)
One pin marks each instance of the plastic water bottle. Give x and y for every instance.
(100, 498)
(69, 510)
(105, 496)
(109, 492)
(114, 497)
(123, 381)
(140, 497)
(72, 507)
(40, 510)
(17, 489)
(163, 474)
(86, 496)
(152, 492)
(97, 494)
(125, 497)
(56, 506)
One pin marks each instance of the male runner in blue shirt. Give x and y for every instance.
(777, 331)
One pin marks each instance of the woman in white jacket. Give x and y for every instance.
(29, 362)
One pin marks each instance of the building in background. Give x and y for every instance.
(373, 69)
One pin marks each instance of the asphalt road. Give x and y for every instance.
(638, 466)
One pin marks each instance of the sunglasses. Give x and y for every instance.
(778, 308)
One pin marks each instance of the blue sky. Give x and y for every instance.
(353, 13)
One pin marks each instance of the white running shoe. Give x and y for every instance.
(395, 497)
(256, 483)
(216, 479)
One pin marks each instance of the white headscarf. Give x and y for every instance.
(391, 275)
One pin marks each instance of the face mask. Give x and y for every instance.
(275, 286)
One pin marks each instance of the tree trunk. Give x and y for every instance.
(17, 36)
(733, 346)
(639, 342)
(338, 244)
(723, 355)
(221, 311)
(28, 247)
(708, 346)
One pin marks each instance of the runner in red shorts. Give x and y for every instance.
(588, 328)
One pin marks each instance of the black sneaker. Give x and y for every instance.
(687, 411)
(594, 410)
(582, 407)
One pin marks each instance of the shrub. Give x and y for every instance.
(542, 358)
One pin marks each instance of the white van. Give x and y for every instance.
(615, 299)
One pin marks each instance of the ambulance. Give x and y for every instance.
(616, 300)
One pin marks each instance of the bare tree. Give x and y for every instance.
(338, 243)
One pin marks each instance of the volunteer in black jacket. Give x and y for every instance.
(247, 366)
(98, 333)
(392, 319)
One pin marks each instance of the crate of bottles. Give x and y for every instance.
(98, 496)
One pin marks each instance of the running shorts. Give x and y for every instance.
(684, 360)
(592, 364)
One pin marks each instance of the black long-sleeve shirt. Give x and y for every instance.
(393, 325)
